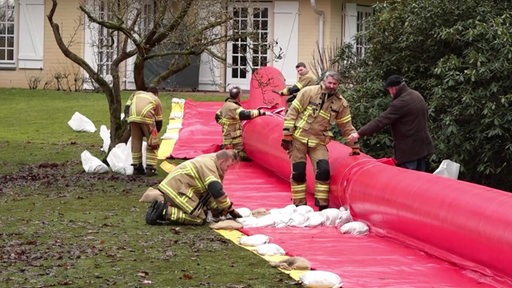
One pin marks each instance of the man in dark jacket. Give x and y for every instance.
(407, 116)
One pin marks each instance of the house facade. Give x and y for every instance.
(294, 29)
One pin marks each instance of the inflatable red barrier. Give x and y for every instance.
(463, 223)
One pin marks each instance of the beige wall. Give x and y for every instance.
(67, 15)
(309, 23)
(309, 27)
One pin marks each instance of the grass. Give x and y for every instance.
(60, 226)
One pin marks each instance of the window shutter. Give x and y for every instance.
(350, 22)
(286, 32)
(31, 34)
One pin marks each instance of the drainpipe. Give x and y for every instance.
(320, 25)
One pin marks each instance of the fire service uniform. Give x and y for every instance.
(307, 123)
(145, 117)
(230, 117)
(192, 188)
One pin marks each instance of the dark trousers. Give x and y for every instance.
(418, 165)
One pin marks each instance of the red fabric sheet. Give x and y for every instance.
(368, 261)
(199, 134)
(360, 261)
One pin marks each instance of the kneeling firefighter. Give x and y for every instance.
(192, 188)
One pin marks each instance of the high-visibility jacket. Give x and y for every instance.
(189, 185)
(304, 80)
(313, 112)
(230, 117)
(145, 107)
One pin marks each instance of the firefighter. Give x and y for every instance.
(144, 111)
(306, 78)
(306, 132)
(192, 188)
(230, 117)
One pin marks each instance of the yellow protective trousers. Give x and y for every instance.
(298, 154)
(138, 132)
(186, 210)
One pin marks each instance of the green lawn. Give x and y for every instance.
(60, 226)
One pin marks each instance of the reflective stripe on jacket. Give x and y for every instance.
(145, 107)
(312, 113)
(191, 179)
(229, 118)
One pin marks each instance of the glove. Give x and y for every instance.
(234, 214)
(286, 142)
(355, 151)
(126, 111)
(153, 141)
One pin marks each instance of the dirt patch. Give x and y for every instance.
(65, 177)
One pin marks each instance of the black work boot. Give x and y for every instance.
(156, 212)
(151, 171)
(138, 169)
(320, 207)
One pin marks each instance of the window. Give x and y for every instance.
(107, 41)
(7, 35)
(363, 14)
(355, 22)
(249, 52)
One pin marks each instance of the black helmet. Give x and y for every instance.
(234, 92)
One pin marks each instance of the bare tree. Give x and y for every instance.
(147, 29)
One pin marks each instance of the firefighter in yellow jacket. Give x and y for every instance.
(144, 111)
(306, 78)
(192, 188)
(306, 132)
(230, 117)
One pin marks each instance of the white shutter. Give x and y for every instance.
(286, 32)
(31, 34)
(350, 23)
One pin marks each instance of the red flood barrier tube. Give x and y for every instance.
(464, 223)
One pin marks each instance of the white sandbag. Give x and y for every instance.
(315, 218)
(105, 136)
(449, 169)
(331, 216)
(245, 212)
(344, 218)
(254, 240)
(251, 221)
(120, 159)
(304, 209)
(320, 279)
(281, 219)
(269, 249)
(287, 210)
(354, 228)
(92, 164)
(298, 220)
(79, 122)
